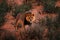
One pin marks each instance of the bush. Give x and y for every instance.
(21, 9)
(49, 5)
(3, 10)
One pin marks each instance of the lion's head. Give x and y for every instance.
(30, 17)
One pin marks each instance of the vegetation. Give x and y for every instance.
(21, 9)
(49, 5)
(38, 32)
(3, 10)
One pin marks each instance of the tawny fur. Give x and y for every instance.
(21, 17)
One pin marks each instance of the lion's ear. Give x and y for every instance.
(33, 14)
(26, 14)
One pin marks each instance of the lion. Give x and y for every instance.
(24, 19)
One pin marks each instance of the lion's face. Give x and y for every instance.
(30, 17)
